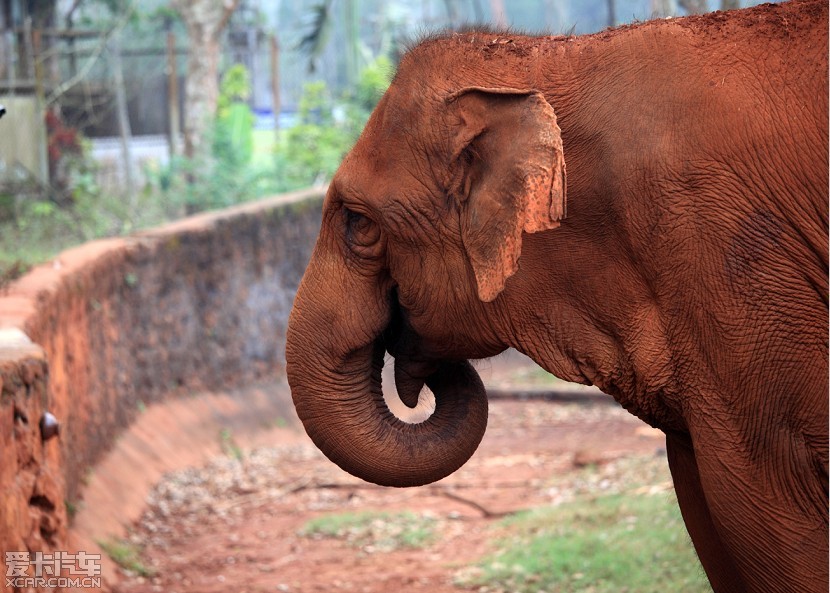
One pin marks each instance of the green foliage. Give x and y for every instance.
(229, 445)
(625, 542)
(311, 151)
(126, 555)
(374, 531)
(315, 104)
(227, 175)
(374, 80)
(313, 148)
(233, 134)
(71, 509)
(233, 137)
(235, 87)
(314, 41)
(35, 224)
(215, 181)
(162, 14)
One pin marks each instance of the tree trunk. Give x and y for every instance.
(124, 131)
(174, 123)
(205, 20)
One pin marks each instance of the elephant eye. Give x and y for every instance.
(361, 231)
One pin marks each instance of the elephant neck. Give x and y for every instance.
(583, 304)
(586, 317)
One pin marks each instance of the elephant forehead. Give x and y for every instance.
(390, 157)
(371, 173)
(362, 169)
(370, 157)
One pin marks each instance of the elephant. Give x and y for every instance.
(644, 209)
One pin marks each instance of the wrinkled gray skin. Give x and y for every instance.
(687, 279)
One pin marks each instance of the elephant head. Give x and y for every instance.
(422, 228)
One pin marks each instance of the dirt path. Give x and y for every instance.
(234, 524)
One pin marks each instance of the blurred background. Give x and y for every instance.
(122, 115)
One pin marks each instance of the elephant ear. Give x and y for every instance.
(507, 174)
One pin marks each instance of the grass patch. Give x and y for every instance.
(229, 445)
(126, 555)
(374, 531)
(624, 542)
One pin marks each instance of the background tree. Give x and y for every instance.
(313, 43)
(205, 20)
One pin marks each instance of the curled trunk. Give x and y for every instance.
(334, 360)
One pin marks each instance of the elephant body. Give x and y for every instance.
(645, 210)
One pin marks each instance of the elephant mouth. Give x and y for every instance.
(393, 335)
(413, 367)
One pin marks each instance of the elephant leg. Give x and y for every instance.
(767, 503)
(716, 560)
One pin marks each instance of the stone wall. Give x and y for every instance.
(32, 511)
(112, 326)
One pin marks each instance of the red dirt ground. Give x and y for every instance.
(233, 524)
